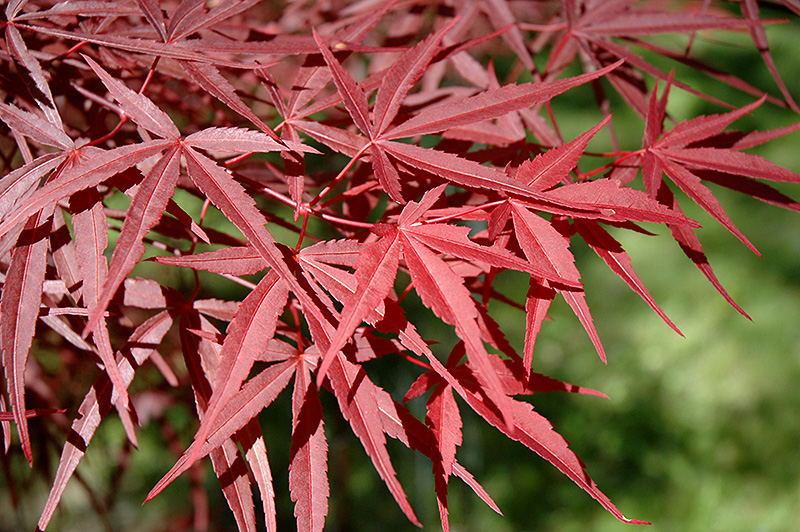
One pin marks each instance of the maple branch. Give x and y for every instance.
(461, 213)
(341, 174)
(612, 164)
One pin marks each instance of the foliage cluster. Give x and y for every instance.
(355, 167)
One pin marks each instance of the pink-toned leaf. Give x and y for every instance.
(537, 303)
(386, 173)
(233, 477)
(91, 238)
(39, 89)
(691, 246)
(138, 107)
(240, 209)
(649, 23)
(456, 169)
(354, 99)
(453, 240)
(376, 269)
(488, 105)
(89, 173)
(36, 412)
(97, 403)
(21, 183)
(335, 138)
(152, 13)
(252, 441)
(241, 260)
(239, 140)
(144, 212)
(501, 16)
(308, 467)
(248, 334)
(34, 127)
(254, 396)
(416, 210)
(19, 308)
(445, 421)
(551, 168)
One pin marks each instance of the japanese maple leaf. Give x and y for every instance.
(481, 107)
(158, 185)
(589, 29)
(698, 150)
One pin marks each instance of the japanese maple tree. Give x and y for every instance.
(365, 158)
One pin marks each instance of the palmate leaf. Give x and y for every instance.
(458, 138)
(489, 105)
(443, 291)
(251, 329)
(308, 467)
(375, 274)
(19, 306)
(542, 243)
(445, 421)
(618, 260)
(98, 401)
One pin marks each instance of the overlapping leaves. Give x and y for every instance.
(462, 182)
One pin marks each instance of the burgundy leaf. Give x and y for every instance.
(376, 269)
(97, 403)
(145, 210)
(488, 105)
(19, 307)
(308, 468)
(551, 168)
(354, 99)
(137, 106)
